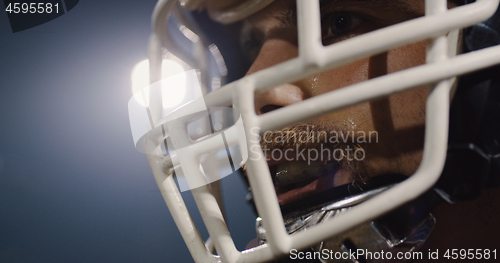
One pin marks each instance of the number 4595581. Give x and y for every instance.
(32, 8)
(470, 254)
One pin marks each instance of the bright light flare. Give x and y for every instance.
(173, 91)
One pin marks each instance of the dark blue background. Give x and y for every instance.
(72, 186)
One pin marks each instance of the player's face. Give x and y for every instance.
(366, 140)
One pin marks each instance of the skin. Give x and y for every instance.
(398, 119)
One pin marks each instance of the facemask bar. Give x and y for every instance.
(314, 58)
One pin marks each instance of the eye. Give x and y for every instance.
(339, 26)
(251, 42)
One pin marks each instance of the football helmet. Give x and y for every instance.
(213, 129)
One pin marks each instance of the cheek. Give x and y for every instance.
(408, 108)
(352, 118)
(341, 77)
(404, 109)
(407, 57)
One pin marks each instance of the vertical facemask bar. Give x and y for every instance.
(165, 182)
(200, 54)
(309, 33)
(205, 200)
(203, 196)
(309, 30)
(179, 212)
(161, 13)
(202, 62)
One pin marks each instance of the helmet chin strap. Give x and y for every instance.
(403, 230)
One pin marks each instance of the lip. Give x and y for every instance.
(329, 178)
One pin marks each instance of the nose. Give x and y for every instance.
(275, 51)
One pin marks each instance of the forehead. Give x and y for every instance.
(398, 9)
(403, 5)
